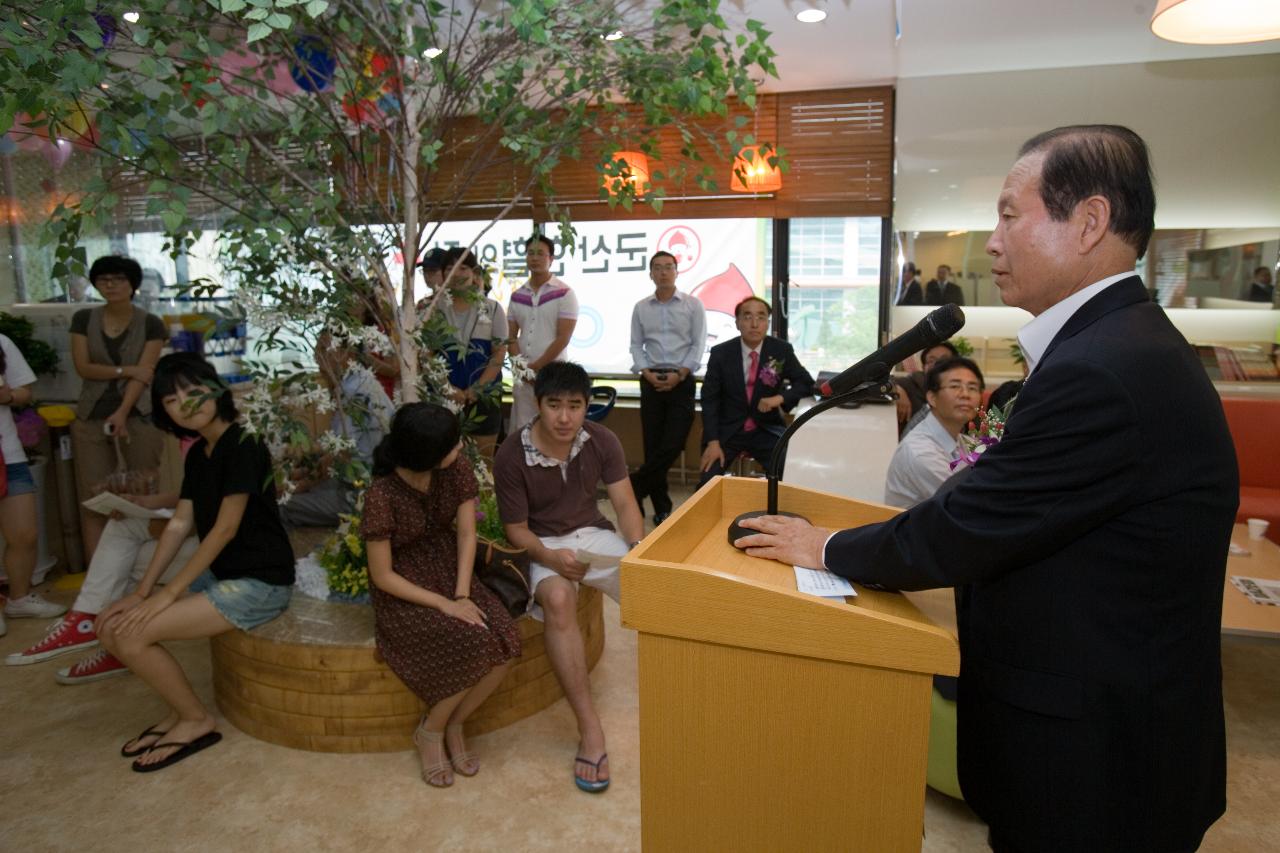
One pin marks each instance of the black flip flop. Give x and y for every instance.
(134, 753)
(187, 750)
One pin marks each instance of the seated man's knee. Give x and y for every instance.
(558, 598)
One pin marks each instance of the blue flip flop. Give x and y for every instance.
(590, 787)
(187, 750)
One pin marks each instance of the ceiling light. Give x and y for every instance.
(933, 171)
(132, 17)
(1216, 21)
(431, 53)
(811, 16)
(613, 36)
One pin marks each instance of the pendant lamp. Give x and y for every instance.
(753, 174)
(1216, 21)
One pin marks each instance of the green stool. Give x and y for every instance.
(941, 775)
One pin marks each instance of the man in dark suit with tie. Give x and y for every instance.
(941, 290)
(750, 381)
(1089, 545)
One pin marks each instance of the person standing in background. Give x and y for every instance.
(541, 318)
(668, 336)
(115, 348)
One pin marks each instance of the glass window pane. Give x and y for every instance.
(834, 296)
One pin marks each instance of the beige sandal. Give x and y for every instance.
(463, 757)
(424, 738)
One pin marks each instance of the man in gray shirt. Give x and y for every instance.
(668, 338)
(362, 415)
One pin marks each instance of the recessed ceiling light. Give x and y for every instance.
(613, 36)
(132, 17)
(811, 16)
(431, 53)
(933, 171)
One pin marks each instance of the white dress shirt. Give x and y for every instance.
(1035, 337)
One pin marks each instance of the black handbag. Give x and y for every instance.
(505, 571)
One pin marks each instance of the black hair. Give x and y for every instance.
(1098, 159)
(657, 255)
(183, 370)
(421, 436)
(737, 309)
(947, 345)
(551, 247)
(1262, 269)
(117, 265)
(562, 379)
(933, 379)
(433, 259)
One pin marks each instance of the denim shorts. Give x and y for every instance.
(244, 602)
(19, 478)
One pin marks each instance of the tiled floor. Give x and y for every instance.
(64, 786)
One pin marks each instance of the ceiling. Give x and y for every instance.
(975, 78)
(855, 45)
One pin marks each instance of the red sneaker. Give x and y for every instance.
(72, 632)
(98, 665)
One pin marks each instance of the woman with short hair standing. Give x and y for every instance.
(115, 348)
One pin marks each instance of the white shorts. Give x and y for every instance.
(594, 539)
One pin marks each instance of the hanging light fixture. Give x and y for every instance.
(753, 174)
(635, 171)
(1216, 21)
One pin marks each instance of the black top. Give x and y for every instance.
(240, 464)
(153, 330)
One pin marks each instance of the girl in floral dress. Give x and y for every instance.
(449, 640)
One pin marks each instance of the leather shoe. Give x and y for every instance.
(659, 517)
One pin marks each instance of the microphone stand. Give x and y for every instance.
(869, 390)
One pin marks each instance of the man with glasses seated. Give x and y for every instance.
(668, 337)
(922, 461)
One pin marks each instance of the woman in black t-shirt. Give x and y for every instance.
(239, 577)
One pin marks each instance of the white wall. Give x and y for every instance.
(1213, 126)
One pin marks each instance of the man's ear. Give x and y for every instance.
(1095, 220)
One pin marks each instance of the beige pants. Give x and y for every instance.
(95, 452)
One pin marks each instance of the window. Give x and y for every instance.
(835, 290)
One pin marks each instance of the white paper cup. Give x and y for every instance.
(1258, 527)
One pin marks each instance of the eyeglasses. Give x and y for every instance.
(663, 268)
(111, 278)
(957, 387)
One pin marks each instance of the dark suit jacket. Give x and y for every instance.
(725, 406)
(943, 294)
(912, 294)
(1091, 545)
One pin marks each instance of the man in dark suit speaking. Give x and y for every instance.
(1089, 545)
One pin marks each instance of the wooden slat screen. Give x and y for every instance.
(838, 143)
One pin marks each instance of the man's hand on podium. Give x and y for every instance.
(793, 541)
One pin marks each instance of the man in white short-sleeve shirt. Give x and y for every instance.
(541, 318)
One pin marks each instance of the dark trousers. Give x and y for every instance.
(665, 419)
(758, 444)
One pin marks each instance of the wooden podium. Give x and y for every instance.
(772, 720)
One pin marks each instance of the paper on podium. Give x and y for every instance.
(109, 502)
(823, 583)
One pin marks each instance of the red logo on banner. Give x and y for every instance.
(683, 242)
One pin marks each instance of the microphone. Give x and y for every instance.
(936, 327)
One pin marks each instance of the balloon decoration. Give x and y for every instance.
(56, 153)
(107, 26)
(313, 65)
(75, 125)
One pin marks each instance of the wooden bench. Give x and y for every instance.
(310, 679)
